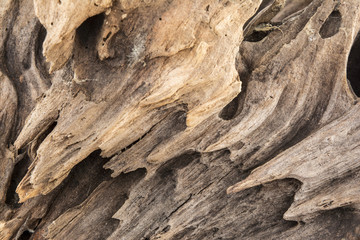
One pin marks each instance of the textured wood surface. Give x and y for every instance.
(161, 119)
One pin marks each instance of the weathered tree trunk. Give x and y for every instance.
(193, 119)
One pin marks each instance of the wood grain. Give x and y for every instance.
(155, 119)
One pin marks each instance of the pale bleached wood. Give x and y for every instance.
(125, 109)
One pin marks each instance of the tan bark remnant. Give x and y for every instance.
(61, 18)
(206, 80)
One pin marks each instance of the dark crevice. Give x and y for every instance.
(77, 186)
(20, 169)
(256, 36)
(234, 108)
(229, 111)
(119, 189)
(331, 26)
(204, 188)
(177, 163)
(136, 141)
(107, 36)
(34, 145)
(166, 229)
(40, 61)
(87, 63)
(353, 67)
(26, 235)
(340, 220)
(82, 185)
(251, 34)
(262, 31)
(28, 229)
(88, 31)
(264, 4)
(32, 226)
(48, 130)
(91, 165)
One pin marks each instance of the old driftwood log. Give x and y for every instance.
(160, 119)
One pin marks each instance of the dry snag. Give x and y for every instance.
(194, 119)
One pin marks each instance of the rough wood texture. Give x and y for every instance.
(159, 119)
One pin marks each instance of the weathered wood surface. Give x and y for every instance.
(155, 119)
